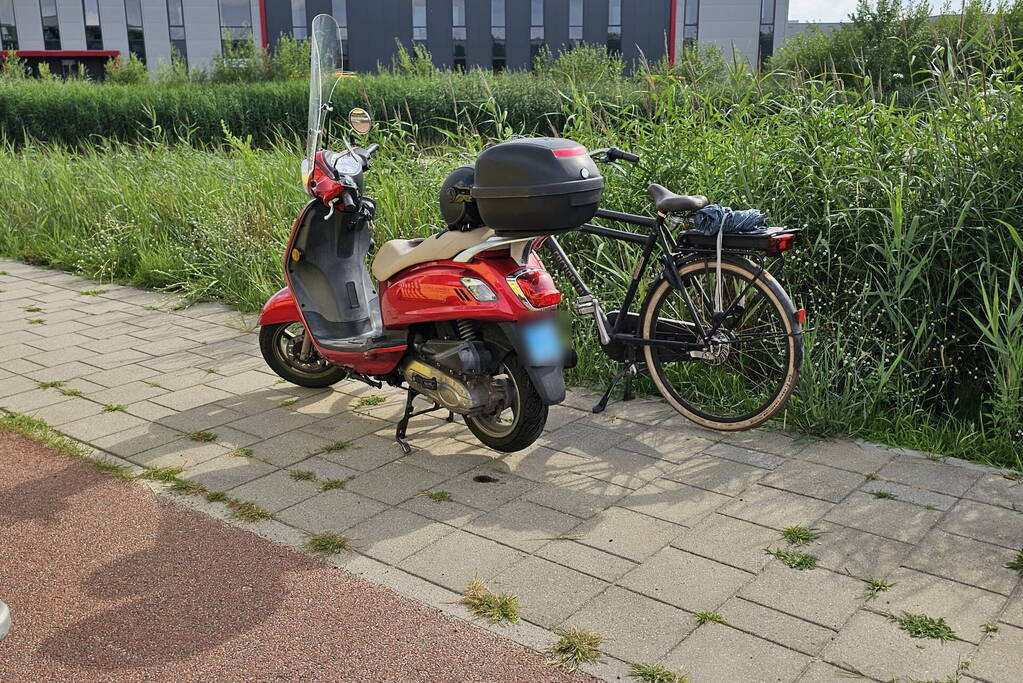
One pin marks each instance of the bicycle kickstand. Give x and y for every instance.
(627, 372)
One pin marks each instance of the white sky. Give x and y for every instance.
(836, 10)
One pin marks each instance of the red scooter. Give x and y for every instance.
(465, 318)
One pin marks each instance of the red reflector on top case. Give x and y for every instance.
(569, 152)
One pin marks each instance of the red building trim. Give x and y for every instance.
(671, 31)
(63, 54)
(262, 24)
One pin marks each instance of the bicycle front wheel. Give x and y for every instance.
(749, 368)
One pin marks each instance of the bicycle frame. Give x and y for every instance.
(659, 235)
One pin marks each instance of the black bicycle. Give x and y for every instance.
(718, 335)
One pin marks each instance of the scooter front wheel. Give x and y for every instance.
(281, 346)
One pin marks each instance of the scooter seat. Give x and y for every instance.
(397, 255)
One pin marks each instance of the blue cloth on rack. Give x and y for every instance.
(711, 218)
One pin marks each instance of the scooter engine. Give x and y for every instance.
(450, 373)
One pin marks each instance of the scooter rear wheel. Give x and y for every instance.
(521, 422)
(281, 346)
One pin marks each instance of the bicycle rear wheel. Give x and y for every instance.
(749, 369)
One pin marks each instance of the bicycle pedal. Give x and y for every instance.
(586, 305)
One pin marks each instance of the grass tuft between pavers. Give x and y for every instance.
(923, 626)
(705, 617)
(575, 647)
(51, 385)
(800, 535)
(874, 586)
(203, 437)
(652, 673)
(793, 559)
(327, 543)
(1016, 563)
(485, 604)
(114, 408)
(302, 475)
(438, 496)
(369, 401)
(332, 447)
(333, 484)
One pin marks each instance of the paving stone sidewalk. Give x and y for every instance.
(627, 523)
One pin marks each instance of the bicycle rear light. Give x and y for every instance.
(535, 287)
(779, 243)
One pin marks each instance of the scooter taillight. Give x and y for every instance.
(535, 287)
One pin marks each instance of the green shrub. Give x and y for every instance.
(131, 72)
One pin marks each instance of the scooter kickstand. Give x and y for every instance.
(399, 435)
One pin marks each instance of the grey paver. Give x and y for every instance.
(1013, 613)
(851, 551)
(734, 542)
(395, 482)
(685, 580)
(180, 453)
(717, 474)
(777, 626)
(624, 468)
(822, 672)
(67, 411)
(275, 491)
(776, 508)
(663, 443)
(817, 481)
(201, 418)
(964, 560)
(586, 559)
(334, 510)
(538, 463)
(450, 457)
(746, 456)
(227, 471)
(636, 628)
(996, 525)
(674, 502)
(928, 474)
(577, 495)
(548, 593)
(458, 558)
(964, 608)
(581, 439)
(998, 489)
(33, 399)
(818, 595)
(1000, 657)
(395, 534)
(890, 518)
(474, 488)
(872, 644)
(365, 453)
(856, 456)
(720, 653)
(91, 428)
(449, 512)
(522, 525)
(270, 423)
(911, 494)
(630, 534)
(191, 397)
(137, 439)
(323, 470)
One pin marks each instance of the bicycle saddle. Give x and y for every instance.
(667, 201)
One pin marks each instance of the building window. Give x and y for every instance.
(93, 32)
(536, 32)
(8, 31)
(51, 28)
(176, 23)
(691, 21)
(766, 32)
(458, 32)
(497, 35)
(419, 21)
(575, 22)
(235, 22)
(136, 39)
(339, 8)
(299, 23)
(614, 26)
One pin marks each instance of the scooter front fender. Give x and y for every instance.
(281, 308)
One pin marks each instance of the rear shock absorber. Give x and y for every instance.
(467, 330)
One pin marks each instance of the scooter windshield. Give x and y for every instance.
(325, 69)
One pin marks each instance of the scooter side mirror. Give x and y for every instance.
(360, 120)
